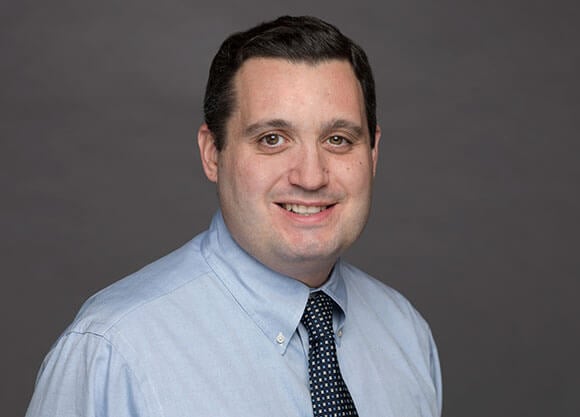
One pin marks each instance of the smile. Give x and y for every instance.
(303, 210)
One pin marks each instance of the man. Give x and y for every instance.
(258, 316)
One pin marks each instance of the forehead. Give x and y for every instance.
(272, 87)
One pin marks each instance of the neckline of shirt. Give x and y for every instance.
(273, 301)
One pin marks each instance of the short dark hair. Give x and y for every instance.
(297, 39)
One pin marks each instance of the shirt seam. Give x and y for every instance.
(123, 357)
(107, 326)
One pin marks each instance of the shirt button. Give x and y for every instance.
(280, 338)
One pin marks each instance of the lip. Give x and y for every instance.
(311, 218)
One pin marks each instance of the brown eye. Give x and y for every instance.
(336, 140)
(272, 140)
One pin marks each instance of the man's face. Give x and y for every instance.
(294, 178)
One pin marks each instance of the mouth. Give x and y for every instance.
(302, 209)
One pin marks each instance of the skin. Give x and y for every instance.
(298, 135)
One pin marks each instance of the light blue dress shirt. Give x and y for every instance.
(209, 331)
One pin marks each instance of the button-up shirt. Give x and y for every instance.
(209, 331)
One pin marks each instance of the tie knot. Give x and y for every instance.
(317, 317)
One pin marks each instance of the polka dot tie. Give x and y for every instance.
(329, 394)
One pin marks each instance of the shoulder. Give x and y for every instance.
(385, 315)
(136, 292)
(369, 295)
(371, 288)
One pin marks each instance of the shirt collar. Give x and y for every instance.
(336, 289)
(275, 302)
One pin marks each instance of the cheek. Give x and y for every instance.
(249, 179)
(356, 175)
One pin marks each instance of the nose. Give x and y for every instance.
(309, 171)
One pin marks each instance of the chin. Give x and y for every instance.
(312, 252)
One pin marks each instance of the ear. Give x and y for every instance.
(375, 150)
(208, 152)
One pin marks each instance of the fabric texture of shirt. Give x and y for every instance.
(209, 331)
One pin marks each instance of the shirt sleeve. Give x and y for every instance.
(436, 373)
(84, 375)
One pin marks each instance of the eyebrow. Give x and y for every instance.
(334, 124)
(257, 127)
(354, 128)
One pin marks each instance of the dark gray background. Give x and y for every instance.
(476, 211)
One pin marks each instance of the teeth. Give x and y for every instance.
(304, 210)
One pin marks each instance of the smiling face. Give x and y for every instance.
(294, 178)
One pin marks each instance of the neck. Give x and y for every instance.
(313, 276)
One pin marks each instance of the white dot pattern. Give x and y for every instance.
(329, 394)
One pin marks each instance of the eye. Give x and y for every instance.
(336, 140)
(272, 140)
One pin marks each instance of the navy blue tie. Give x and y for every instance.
(329, 394)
